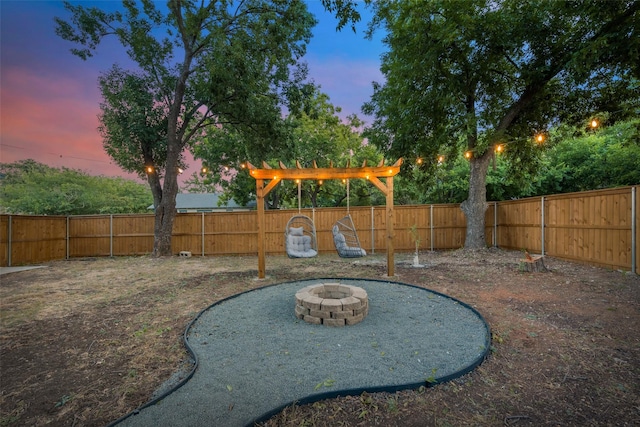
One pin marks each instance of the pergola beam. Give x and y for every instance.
(365, 172)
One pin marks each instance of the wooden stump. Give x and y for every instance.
(532, 263)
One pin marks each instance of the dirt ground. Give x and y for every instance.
(84, 342)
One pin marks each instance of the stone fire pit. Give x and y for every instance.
(332, 304)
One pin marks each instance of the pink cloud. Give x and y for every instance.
(54, 120)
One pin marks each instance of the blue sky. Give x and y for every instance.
(49, 100)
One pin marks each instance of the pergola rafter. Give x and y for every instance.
(370, 173)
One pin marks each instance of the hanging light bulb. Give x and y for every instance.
(440, 159)
(468, 155)
(594, 123)
(149, 169)
(499, 148)
(204, 170)
(540, 138)
(419, 160)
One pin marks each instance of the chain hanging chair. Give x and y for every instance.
(345, 237)
(300, 235)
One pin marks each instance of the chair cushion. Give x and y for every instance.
(296, 231)
(300, 247)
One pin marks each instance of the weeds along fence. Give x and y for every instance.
(595, 227)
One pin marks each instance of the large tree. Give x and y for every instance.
(474, 74)
(203, 64)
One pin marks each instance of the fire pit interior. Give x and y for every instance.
(332, 304)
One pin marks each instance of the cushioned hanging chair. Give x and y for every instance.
(300, 237)
(346, 239)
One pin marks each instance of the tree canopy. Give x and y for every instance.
(201, 65)
(29, 187)
(314, 133)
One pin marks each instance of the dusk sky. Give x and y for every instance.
(49, 98)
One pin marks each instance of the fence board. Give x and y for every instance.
(520, 225)
(89, 236)
(593, 227)
(37, 239)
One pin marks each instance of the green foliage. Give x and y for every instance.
(314, 133)
(33, 188)
(133, 121)
(481, 72)
(576, 160)
(604, 158)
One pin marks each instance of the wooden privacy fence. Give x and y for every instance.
(596, 227)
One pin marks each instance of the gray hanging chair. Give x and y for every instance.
(300, 237)
(346, 239)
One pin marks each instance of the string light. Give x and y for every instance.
(204, 170)
(419, 160)
(149, 169)
(594, 123)
(540, 138)
(499, 148)
(468, 155)
(440, 159)
(180, 170)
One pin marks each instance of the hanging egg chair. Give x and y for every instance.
(346, 239)
(300, 237)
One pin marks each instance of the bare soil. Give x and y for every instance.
(84, 342)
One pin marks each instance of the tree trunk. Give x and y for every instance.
(476, 205)
(166, 210)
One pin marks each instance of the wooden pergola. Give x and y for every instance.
(370, 173)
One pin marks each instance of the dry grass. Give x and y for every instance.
(84, 342)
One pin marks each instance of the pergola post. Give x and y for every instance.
(261, 226)
(390, 228)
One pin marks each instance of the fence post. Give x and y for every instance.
(634, 242)
(202, 227)
(431, 225)
(66, 255)
(111, 235)
(495, 224)
(542, 225)
(9, 235)
(373, 233)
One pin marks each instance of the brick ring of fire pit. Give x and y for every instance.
(332, 304)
